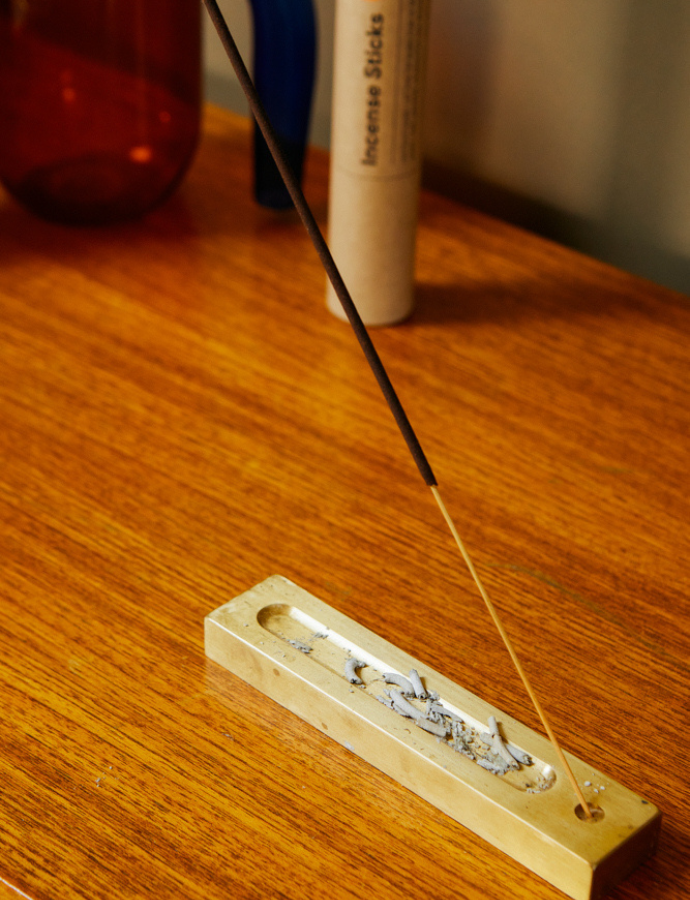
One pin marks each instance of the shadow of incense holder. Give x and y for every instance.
(476, 764)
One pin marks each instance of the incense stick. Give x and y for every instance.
(513, 655)
(295, 190)
(309, 222)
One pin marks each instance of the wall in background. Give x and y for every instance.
(570, 118)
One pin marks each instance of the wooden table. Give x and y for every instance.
(181, 417)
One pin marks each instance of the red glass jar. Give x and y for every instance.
(99, 104)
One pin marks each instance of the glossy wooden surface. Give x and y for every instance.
(181, 417)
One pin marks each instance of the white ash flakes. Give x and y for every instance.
(487, 749)
(299, 645)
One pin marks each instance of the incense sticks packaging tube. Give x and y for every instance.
(379, 64)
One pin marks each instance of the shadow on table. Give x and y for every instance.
(531, 299)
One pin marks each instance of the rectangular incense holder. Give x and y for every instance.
(295, 649)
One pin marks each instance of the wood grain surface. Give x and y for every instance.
(180, 417)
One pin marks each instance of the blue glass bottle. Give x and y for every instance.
(284, 65)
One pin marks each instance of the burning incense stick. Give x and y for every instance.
(377, 367)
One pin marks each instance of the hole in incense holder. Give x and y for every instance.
(597, 813)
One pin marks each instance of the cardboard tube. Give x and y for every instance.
(379, 65)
